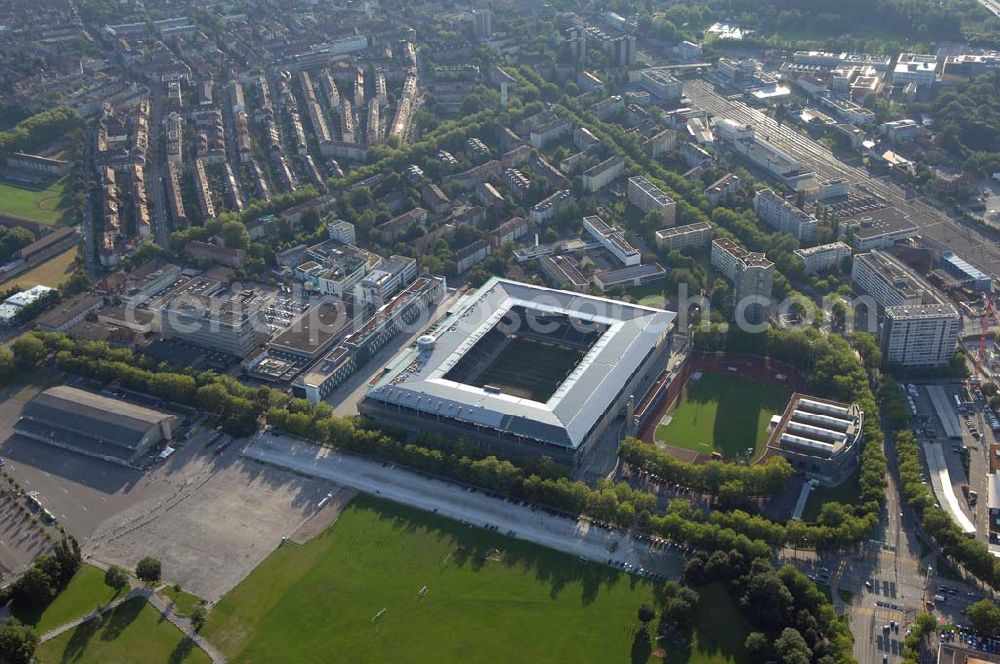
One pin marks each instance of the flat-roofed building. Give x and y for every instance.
(69, 312)
(335, 268)
(823, 257)
(920, 336)
(818, 437)
(915, 68)
(312, 333)
(603, 174)
(661, 84)
(636, 275)
(94, 425)
(547, 208)
(612, 239)
(563, 272)
(752, 275)
(358, 347)
(390, 277)
(891, 283)
(783, 216)
(649, 198)
(233, 323)
(148, 279)
(689, 236)
(720, 190)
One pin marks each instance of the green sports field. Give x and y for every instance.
(132, 632)
(354, 594)
(43, 205)
(531, 369)
(722, 413)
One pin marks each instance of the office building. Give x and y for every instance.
(661, 84)
(233, 324)
(915, 68)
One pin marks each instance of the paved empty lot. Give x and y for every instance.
(211, 519)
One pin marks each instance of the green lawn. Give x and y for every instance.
(132, 632)
(85, 592)
(723, 413)
(184, 603)
(489, 599)
(41, 205)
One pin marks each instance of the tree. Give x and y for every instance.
(235, 235)
(985, 617)
(28, 350)
(17, 642)
(116, 577)
(198, 617)
(757, 647)
(646, 615)
(148, 570)
(35, 588)
(791, 648)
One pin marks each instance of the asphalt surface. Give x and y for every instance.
(938, 230)
(578, 537)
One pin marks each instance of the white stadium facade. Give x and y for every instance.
(524, 371)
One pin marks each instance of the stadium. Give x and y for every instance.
(522, 371)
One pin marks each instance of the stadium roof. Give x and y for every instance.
(415, 378)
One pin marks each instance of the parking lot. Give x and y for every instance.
(210, 518)
(208, 515)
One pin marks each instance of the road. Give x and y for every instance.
(991, 5)
(938, 230)
(155, 170)
(577, 537)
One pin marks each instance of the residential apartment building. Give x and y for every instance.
(649, 198)
(920, 336)
(689, 236)
(784, 217)
(516, 183)
(823, 257)
(603, 174)
(546, 209)
(887, 280)
(752, 275)
(720, 190)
